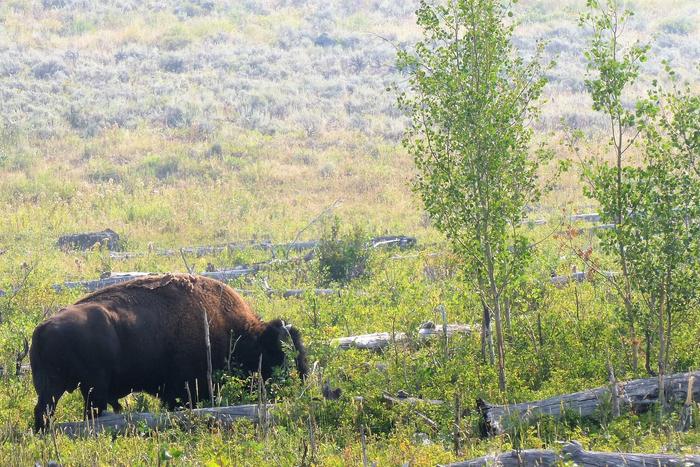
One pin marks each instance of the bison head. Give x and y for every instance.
(275, 333)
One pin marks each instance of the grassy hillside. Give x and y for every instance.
(185, 122)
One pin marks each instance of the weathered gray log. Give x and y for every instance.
(116, 278)
(637, 395)
(403, 398)
(24, 369)
(228, 274)
(428, 330)
(575, 452)
(376, 341)
(380, 340)
(300, 292)
(401, 241)
(92, 285)
(85, 241)
(534, 222)
(527, 457)
(122, 423)
(588, 217)
(579, 276)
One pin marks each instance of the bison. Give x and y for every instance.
(148, 335)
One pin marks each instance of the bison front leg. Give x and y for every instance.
(116, 406)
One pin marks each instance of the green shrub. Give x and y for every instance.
(343, 256)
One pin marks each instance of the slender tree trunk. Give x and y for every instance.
(495, 297)
(507, 303)
(647, 356)
(667, 349)
(486, 335)
(662, 316)
(617, 139)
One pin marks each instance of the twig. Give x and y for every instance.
(187, 266)
(312, 222)
(21, 356)
(207, 343)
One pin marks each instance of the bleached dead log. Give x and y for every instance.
(637, 395)
(429, 329)
(380, 340)
(403, 398)
(300, 292)
(84, 241)
(122, 423)
(116, 278)
(575, 452)
(527, 457)
(376, 341)
(92, 285)
(401, 241)
(24, 369)
(579, 276)
(588, 217)
(229, 274)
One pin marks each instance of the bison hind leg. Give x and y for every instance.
(45, 408)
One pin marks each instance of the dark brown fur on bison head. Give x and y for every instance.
(148, 335)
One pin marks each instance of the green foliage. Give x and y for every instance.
(655, 204)
(343, 256)
(470, 97)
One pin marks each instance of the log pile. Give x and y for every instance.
(123, 423)
(637, 395)
(574, 453)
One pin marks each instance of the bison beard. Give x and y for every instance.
(148, 335)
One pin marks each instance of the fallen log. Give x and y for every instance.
(429, 329)
(403, 398)
(527, 457)
(85, 241)
(300, 292)
(400, 241)
(122, 423)
(24, 369)
(587, 217)
(637, 395)
(380, 340)
(574, 452)
(226, 275)
(92, 285)
(376, 341)
(579, 276)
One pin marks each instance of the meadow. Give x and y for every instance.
(193, 122)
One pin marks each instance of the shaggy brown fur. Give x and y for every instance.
(148, 335)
